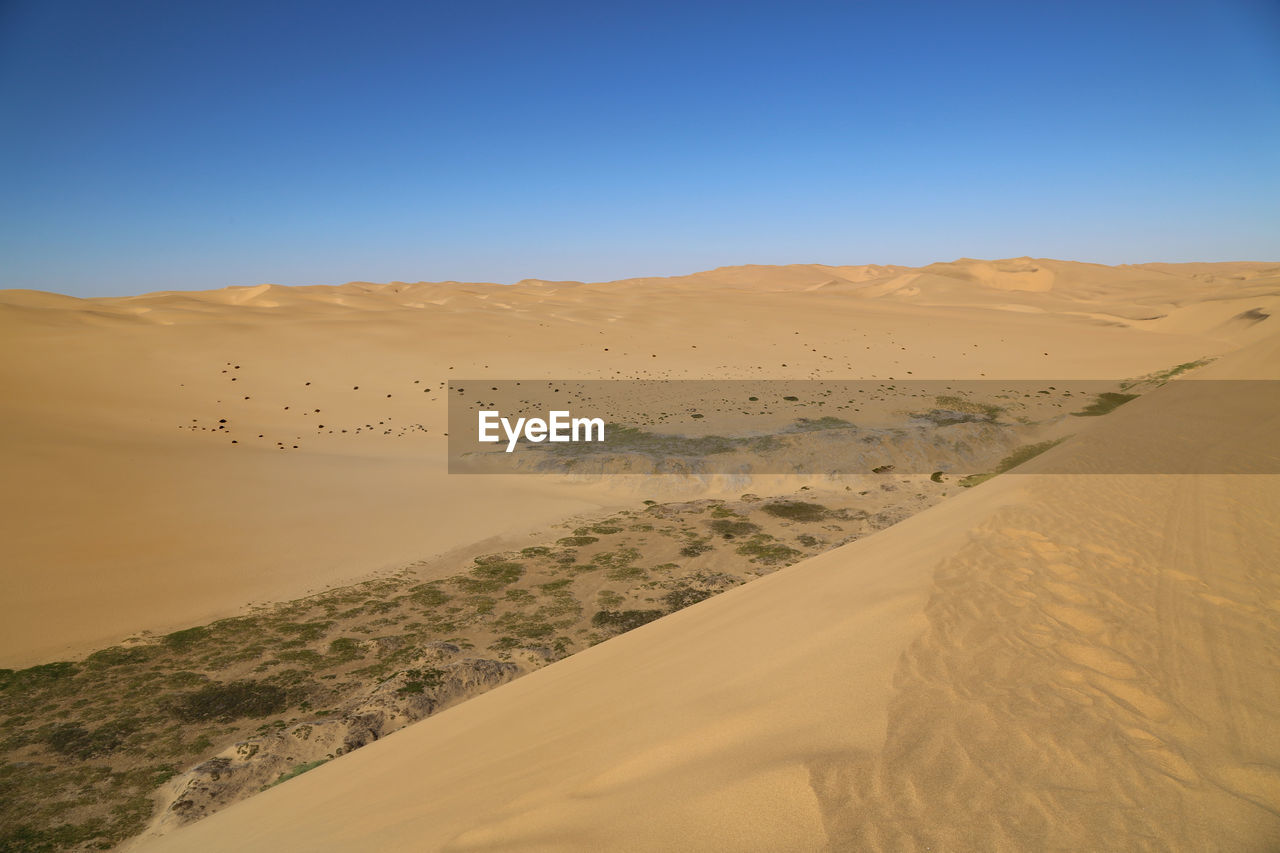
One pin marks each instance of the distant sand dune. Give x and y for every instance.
(129, 508)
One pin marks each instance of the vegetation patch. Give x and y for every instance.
(959, 406)
(490, 577)
(619, 621)
(626, 573)
(615, 559)
(121, 655)
(39, 814)
(427, 595)
(625, 439)
(696, 548)
(306, 632)
(84, 744)
(770, 554)
(729, 529)
(1105, 403)
(796, 510)
(1162, 376)
(519, 596)
(683, 595)
(525, 627)
(419, 681)
(1013, 460)
(227, 702)
(818, 424)
(344, 648)
(76, 741)
(37, 676)
(297, 771)
(605, 529)
(185, 639)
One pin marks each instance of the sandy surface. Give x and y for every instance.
(126, 508)
(1045, 662)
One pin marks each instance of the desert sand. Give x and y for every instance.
(1079, 661)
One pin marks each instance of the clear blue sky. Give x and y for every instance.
(159, 145)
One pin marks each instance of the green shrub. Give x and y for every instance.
(525, 627)
(418, 681)
(305, 632)
(818, 424)
(297, 771)
(626, 573)
(615, 559)
(1013, 460)
(41, 675)
(227, 702)
(490, 577)
(427, 595)
(954, 404)
(796, 510)
(482, 604)
(344, 648)
(185, 678)
(698, 546)
(768, 554)
(75, 741)
(310, 657)
(186, 638)
(120, 655)
(626, 439)
(519, 596)
(619, 621)
(682, 596)
(1162, 376)
(501, 572)
(729, 529)
(1105, 403)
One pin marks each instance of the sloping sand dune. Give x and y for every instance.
(1069, 662)
(172, 457)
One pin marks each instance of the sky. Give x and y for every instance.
(177, 146)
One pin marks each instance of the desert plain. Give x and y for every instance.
(247, 606)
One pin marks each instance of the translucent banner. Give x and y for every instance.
(603, 427)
